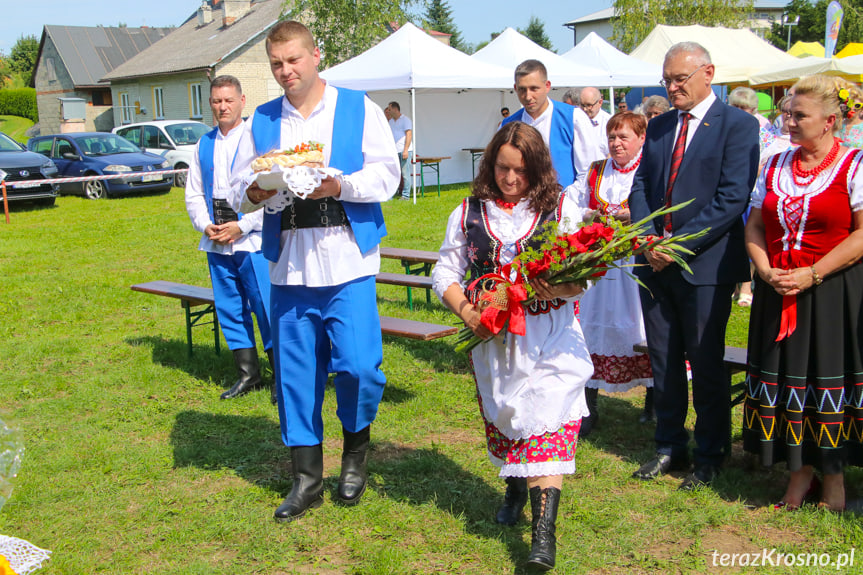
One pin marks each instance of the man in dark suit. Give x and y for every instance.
(706, 151)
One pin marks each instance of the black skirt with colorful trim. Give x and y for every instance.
(804, 394)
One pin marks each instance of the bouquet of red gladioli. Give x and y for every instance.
(584, 255)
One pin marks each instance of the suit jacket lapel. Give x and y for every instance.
(705, 133)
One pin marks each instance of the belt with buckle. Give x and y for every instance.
(223, 212)
(322, 213)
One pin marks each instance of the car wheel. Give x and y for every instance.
(180, 179)
(95, 190)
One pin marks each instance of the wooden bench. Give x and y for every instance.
(415, 263)
(194, 296)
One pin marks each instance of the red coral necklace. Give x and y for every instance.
(505, 205)
(805, 177)
(623, 170)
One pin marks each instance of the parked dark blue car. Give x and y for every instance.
(99, 153)
(21, 167)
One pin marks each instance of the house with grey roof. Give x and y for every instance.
(71, 61)
(170, 80)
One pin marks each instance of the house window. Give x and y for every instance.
(126, 108)
(195, 101)
(158, 103)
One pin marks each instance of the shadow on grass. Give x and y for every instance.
(423, 476)
(205, 365)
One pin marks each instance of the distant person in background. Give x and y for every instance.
(572, 97)
(777, 142)
(566, 130)
(504, 113)
(655, 106)
(238, 270)
(747, 100)
(402, 128)
(622, 106)
(780, 119)
(591, 103)
(851, 133)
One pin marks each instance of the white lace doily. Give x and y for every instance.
(291, 183)
(23, 556)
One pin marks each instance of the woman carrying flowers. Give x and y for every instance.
(610, 314)
(530, 387)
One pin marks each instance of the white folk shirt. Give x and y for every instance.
(600, 123)
(400, 129)
(585, 146)
(196, 202)
(317, 257)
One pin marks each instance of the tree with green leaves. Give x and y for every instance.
(634, 19)
(22, 57)
(346, 28)
(813, 23)
(536, 31)
(438, 17)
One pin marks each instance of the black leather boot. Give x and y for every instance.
(274, 398)
(249, 372)
(352, 481)
(307, 466)
(514, 501)
(543, 543)
(589, 422)
(649, 413)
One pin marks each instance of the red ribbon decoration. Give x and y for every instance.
(495, 319)
(788, 319)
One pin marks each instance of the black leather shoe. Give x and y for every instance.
(307, 492)
(249, 373)
(702, 476)
(514, 501)
(589, 423)
(660, 465)
(353, 478)
(543, 540)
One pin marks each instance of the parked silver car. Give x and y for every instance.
(173, 139)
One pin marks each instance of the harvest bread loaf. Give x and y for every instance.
(307, 154)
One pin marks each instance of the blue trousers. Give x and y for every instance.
(318, 329)
(241, 286)
(684, 321)
(407, 169)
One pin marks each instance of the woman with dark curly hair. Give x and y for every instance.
(530, 388)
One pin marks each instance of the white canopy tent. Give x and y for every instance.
(454, 99)
(850, 67)
(737, 54)
(510, 49)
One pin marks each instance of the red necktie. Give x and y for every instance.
(676, 158)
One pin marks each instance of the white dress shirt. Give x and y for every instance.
(698, 112)
(585, 146)
(317, 257)
(600, 122)
(196, 202)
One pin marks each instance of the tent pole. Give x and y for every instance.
(414, 143)
(611, 99)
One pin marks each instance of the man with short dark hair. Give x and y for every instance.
(232, 241)
(402, 129)
(706, 152)
(566, 129)
(324, 254)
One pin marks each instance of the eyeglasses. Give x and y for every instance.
(586, 105)
(666, 82)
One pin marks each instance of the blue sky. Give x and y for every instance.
(476, 19)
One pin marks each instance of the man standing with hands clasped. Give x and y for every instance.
(324, 256)
(402, 128)
(238, 271)
(707, 152)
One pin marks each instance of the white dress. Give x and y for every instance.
(527, 385)
(610, 313)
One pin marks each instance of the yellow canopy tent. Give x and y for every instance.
(852, 49)
(803, 49)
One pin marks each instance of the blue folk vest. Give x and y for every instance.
(206, 153)
(346, 154)
(560, 139)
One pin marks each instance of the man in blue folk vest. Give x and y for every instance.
(238, 270)
(567, 130)
(324, 256)
(573, 144)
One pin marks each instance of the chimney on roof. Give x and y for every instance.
(205, 14)
(233, 10)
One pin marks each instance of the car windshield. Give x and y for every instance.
(105, 144)
(7, 144)
(186, 134)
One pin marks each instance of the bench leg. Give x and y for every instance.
(188, 326)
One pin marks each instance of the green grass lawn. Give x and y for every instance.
(133, 465)
(15, 127)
